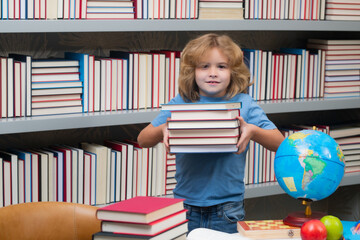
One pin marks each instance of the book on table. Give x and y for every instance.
(140, 209)
(149, 229)
(176, 233)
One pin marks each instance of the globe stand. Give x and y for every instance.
(296, 219)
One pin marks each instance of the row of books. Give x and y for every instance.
(98, 9)
(99, 174)
(81, 82)
(326, 68)
(181, 9)
(342, 66)
(143, 218)
(91, 174)
(285, 10)
(84, 83)
(288, 74)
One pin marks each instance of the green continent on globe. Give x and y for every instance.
(314, 166)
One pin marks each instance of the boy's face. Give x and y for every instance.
(212, 74)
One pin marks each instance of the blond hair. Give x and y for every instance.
(196, 49)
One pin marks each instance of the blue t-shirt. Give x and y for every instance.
(207, 179)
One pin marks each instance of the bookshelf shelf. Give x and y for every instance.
(101, 119)
(280, 28)
(49, 26)
(316, 104)
(273, 188)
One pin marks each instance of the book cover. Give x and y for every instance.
(203, 140)
(151, 229)
(140, 209)
(206, 132)
(201, 106)
(219, 114)
(203, 148)
(267, 229)
(84, 75)
(176, 233)
(201, 124)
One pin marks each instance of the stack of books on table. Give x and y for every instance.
(342, 10)
(203, 127)
(155, 218)
(341, 66)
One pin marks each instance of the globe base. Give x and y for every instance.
(297, 219)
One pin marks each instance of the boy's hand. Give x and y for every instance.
(245, 135)
(166, 136)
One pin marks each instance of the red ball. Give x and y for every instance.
(313, 230)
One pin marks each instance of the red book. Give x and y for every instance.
(178, 232)
(150, 229)
(140, 209)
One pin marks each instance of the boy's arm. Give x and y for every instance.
(150, 135)
(269, 138)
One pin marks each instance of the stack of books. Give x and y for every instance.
(56, 87)
(342, 10)
(342, 66)
(220, 9)
(348, 137)
(152, 218)
(114, 9)
(203, 127)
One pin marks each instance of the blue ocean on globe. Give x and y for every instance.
(309, 164)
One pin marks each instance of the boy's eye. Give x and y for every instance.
(203, 65)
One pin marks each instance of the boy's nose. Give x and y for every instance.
(213, 72)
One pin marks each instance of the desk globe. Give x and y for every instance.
(309, 166)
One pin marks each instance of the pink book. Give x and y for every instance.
(140, 209)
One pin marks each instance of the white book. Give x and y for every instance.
(97, 85)
(17, 89)
(10, 87)
(3, 84)
(101, 169)
(43, 163)
(11, 161)
(119, 84)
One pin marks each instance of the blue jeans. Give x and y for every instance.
(222, 217)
